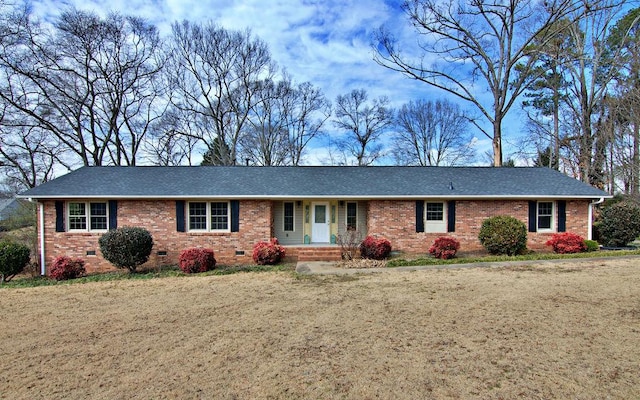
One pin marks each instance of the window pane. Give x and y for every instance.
(198, 216)
(352, 216)
(219, 216)
(77, 216)
(320, 214)
(435, 211)
(545, 215)
(288, 216)
(98, 216)
(544, 222)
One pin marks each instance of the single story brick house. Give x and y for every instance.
(229, 209)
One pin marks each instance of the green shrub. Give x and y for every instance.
(503, 235)
(65, 268)
(591, 245)
(126, 247)
(620, 223)
(14, 257)
(196, 260)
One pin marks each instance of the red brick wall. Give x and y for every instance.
(395, 220)
(159, 217)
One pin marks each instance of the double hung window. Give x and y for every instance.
(545, 216)
(352, 216)
(87, 216)
(435, 217)
(288, 219)
(209, 216)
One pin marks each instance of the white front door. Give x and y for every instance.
(320, 223)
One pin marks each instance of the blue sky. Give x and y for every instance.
(326, 42)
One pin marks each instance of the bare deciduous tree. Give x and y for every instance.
(363, 124)
(589, 78)
(309, 112)
(432, 134)
(213, 74)
(88, 81)
(467, 45)
(265, 141)
(624, 40)
(283, 121)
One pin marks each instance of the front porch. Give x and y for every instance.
(317, 222)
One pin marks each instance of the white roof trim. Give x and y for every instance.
(333, 197)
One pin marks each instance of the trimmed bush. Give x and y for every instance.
(14, 257)
(64, 268)
(444, 247)
(268, 253)
(619, 223)
(591, 245)
(196, 260)
(503, 235)
(375, 249)
(566, 242)
(126, 247)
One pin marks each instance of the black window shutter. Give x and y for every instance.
(235, 216)
(113, 214)
(562, 216)
(533, 216)
(419, 216)
(59, 216)
(451, 216)
(180, 216)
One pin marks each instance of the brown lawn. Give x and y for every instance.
(569, 331)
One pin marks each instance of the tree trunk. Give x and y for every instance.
(497, 142)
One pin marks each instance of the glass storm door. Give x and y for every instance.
(320, 223)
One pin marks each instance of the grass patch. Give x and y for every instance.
(525, 257)
(165, 272)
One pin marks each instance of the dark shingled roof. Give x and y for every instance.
(313, 182)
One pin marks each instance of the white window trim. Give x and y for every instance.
(208, 217)
(436, 226)
(87, 215)
(346, 213)
(293, 209)
(553, 217)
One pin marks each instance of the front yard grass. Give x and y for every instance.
(25, 281)
(535, 332)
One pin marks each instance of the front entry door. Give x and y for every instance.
(320, 224)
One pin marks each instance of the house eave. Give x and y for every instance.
(310, 197)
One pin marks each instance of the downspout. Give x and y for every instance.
(41, 229)
(590, 228)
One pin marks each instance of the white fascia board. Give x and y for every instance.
(339, 197)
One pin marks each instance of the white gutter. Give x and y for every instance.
(590, 225)
(41, 229)
(319, 197)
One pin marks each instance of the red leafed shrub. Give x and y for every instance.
(268, 253)
(375, 249)
(566, 243)
(64, 268)
(196, 260)
(444, 247)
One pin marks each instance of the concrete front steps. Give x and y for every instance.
(314, 253)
